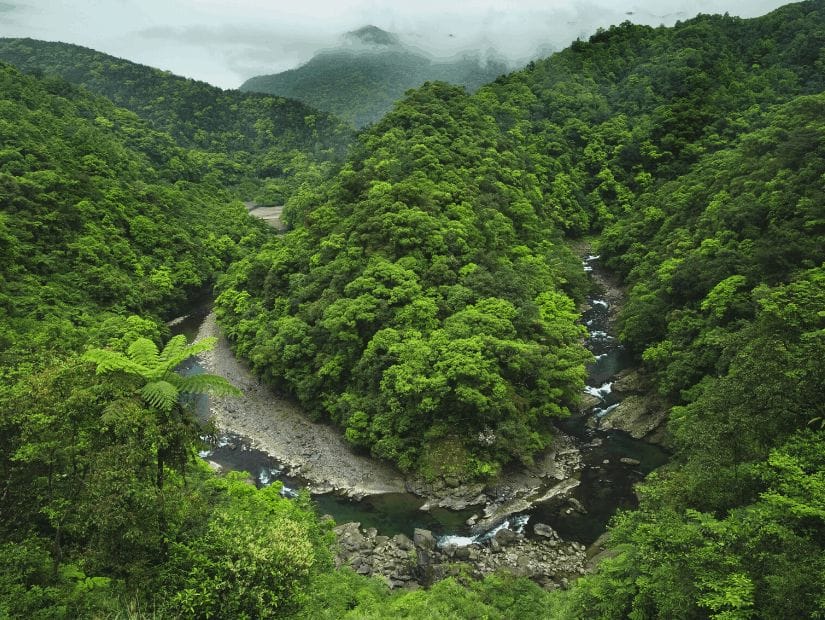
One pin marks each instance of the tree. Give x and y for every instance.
(162, 386)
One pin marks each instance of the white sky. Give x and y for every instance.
(225, 42)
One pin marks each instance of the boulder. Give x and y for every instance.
(637, 415)
(630, 382)
(505, 537)
(542, 529)
(424, 539)
(588, 401)
(403, 542)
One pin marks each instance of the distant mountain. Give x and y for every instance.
(361, 79)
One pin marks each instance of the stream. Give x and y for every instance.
(606, 482)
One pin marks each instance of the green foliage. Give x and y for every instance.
(92, 225)
(255, 557)
(163, 387)
(248, 142)
(761, 560)
(348, 596)
(424, 301)
(418, 295)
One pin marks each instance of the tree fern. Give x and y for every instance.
(112, 361)
(144, 352)
(162, 385)
(178, 351)
(206, 384)
(161, 395)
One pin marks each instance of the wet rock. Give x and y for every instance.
(542, 529)
(637, 415)
(588, 401)
(630, 381)
(505, 537)
(497, 513)
(424, 539)
(629, 461)
(403, 541)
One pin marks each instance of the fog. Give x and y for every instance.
(226, 42)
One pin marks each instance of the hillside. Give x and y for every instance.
(670, 141)
(254, 142)
(426, 302)
(102, 216)
(361, 80)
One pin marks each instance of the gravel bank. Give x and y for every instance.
(314, 452)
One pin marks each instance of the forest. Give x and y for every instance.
(425, 300)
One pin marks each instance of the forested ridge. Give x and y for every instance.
(425, 300)
(102, 216)
(260, 146)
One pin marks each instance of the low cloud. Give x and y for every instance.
(226, 43)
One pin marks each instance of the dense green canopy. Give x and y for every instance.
(424, 299)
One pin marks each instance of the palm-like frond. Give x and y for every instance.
(163, 385)
(206, 384)
(112, 361)
(160, 394)
(144, 352)
(177, 351)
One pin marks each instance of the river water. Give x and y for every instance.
(606, 483)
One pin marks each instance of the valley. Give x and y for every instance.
(544, 344)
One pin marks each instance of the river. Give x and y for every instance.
(606, 481)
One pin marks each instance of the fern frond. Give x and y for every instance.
(178, 354)
(160, 395)
(207, 384)
(112, 361)
(175, 346)
(144, 352)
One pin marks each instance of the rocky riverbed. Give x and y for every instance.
(316, 453)
(575, 485)
(409, 563)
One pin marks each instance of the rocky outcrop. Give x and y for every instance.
(641, 413)
(403, 563)
(552, 474)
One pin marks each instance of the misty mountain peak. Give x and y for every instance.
(371, 35)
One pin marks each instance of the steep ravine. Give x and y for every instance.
(569, 495)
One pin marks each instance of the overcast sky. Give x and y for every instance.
(225, 42)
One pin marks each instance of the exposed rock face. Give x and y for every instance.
(402, 563)
(588, 401)
(630, 381)
(641, 413)
(514, 491)
(640, 416)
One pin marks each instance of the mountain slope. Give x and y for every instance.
(100, 215)
(361, 80)
(698, 150)
(245, 138)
